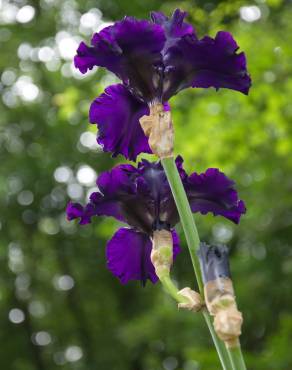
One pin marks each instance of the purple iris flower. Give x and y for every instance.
(141, 197)
(154, 60)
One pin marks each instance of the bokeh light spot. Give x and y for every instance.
(41, 338)
(64, 282)
(63, 174)
(86, 175)
(250, 13)
(25, 198)
(73, 353)
(16, 316)
(25, 14)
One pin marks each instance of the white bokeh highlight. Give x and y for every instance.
(250, 13)
(73, 353)
(63, 174)
(16, 316)
(25, 14)
(41, 338)
(86, 175)
(64, 282)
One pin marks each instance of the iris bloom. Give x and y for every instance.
(141, 197)
(154, 61)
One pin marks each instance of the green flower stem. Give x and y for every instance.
(186, 216)
(172, 289)
(236, 358)
(193, 242)
(219, 345)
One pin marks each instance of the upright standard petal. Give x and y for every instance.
(214, 192)
(174, 26)
(128, 255)
(117, 181)
(156, 185)
(205, 63)
(116, 113)
(130, 49)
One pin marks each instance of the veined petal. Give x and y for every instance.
(153, 183)
(104, 52)
(118, 180)
(128, 256)
(85, 59)
(76, 210)
(116, 113)
(214, 192)
(121, 185)
(205, 63)
(130, 49)
(98, 205)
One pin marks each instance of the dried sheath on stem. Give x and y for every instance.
(159, 130)
(219, 293)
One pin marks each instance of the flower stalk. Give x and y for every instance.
(161, 257)
(157, 58)
(185, 213)
(236, 358)
(193, 243)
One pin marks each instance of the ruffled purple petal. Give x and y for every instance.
(103, 205)
(205, 63)
(114, 186)
(76, 210)
(121, 185)
(128, 255)
(117, 181)
(85, 59)
(120, 196)
(104, 52)
(141, 196)
(179, 164)
(98, 205)
(116, 113)
(214, 192)
(130, 49)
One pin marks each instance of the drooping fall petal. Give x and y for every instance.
(116, 113)
(214, 192)
(205, 63)
(128, 255)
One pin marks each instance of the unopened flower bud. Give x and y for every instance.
(159, 130)
(219, 293)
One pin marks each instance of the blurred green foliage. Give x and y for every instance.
(59, 306)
